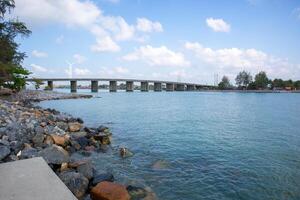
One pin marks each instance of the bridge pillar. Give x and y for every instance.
(180, 87)
(94, 86)
(157, 87)
(50, 85)
(112, 86)
(73, 86)
(144, 86)
(170, 87)
(129, 86)
(190, 87)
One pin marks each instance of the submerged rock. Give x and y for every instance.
(125, 152)
(55, 155)
(86, 169)
(103, 177)
(161, 164)
(76, 182)
(109, 191)
(136, 192)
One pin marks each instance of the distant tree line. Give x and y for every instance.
(245, 81)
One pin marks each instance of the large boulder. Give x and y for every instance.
(55, 155)
(109, 191)
(4, 151)
(74, 126)
(76, 182)
(86, 169)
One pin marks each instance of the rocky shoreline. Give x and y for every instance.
(28, 131)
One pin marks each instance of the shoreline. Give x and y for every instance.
(28, 131)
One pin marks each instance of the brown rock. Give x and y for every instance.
(64, 167)
(90, 148)
(77, 163)
(60, 140)
(43, 124)
(75, 126)
(49, 140)
(109, 191)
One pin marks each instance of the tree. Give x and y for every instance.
(277, 83)
(297, 84)
(38, 83)
(261, 80)
(12, 74)
(224, 84)
(243, 79)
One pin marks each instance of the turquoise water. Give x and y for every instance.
(217, 145)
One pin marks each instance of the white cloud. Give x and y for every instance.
(105, 44)
(69, 12)
(218, 25)
(81, 71)
(160, 56)
(85, 14)
(38, 68)
(145, 25)
(113, 72)
(232, 60)
(39, 54)
(79, 58)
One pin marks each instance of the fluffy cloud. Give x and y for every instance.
(85, 14)
(160, 56)
(235, 59)
(39, 54)
(218, 25)
(81, 71)
(113, 72)
(146, 25)
(38, 68)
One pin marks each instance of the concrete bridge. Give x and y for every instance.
(158, 85)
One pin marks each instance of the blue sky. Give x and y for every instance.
(187, 40)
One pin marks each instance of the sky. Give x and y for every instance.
(176, 40)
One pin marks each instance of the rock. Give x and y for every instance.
(103, 138)
(77, 163)
(78, 134)
(64, 167)
(82, 141)
(86, 169)
(102, 128)
(4, 142)
(75, 144)
(38, 139)
(49, 141)
(28, 153)
(109, 191)
(136, 192)
(90, 148)
(55, 155)
(60, 140)
(161, 164)
(4, 151)
(57, 131)
(62, 125)
(74, 126)
(125, 152)
(102, 177)
(43, 124)
(39, 130)
(76, 182)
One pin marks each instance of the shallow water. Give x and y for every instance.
(216, 145)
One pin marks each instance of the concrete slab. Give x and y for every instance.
(31, 179)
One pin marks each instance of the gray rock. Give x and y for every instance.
(102, 177)
(136, 192)
(76, 182)
(4, 142)
(55, 155)
(4, 151)
(86, 169)
(38, 139)
(62, 125)
(29, 153)
(39, 130)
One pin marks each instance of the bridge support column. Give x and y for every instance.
(190, 87)
(180, 87)
(144, 86)
(50, 85)
(129, 86)
(157, 87)
(112, 86)
(170, 87)
(73, 86)
(94, 86)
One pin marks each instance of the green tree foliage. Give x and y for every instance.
(261, 80)
(243, 79)
(12, 74)
(224, 84)
(38, 83)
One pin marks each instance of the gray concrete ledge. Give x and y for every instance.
(31, 179)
